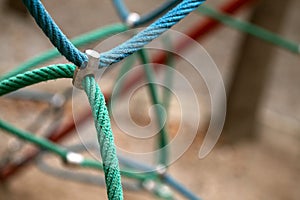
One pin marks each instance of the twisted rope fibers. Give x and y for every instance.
(62, 152)
(66, 48)
(105, 138)
(96, 98)
(53, 32)
(78, 41)
(150, 33)
(100, 114)
(50, 72)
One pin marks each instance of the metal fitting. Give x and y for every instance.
(149, 185)
(132, 19)
(161, 170)
(57, 100)
(74, 159)
(90, 69)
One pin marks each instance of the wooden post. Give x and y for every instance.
(252, 71)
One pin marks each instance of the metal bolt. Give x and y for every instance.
(74, 158)
(132, 19)
(90, 69)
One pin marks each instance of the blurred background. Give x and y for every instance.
(258, 153)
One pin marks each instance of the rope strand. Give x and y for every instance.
(53, 32)
(150, 33)
(105, 138)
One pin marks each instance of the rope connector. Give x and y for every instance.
(132, 19)
(90, 69)
(161, 170)
(74, 159)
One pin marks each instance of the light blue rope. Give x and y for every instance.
(66, 48)
(52, 31)
(150, 33)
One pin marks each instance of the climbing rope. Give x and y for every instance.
(150, 33)
(96, 98)
(163, 136)
(250, 29)
(105, 138)
(66, 48)
(63, 153)
(53, 32)
(78, 41)
(133, 19)
(36, 76)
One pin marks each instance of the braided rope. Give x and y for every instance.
(105, 138)
(96, 98)
(78, 41)
(66, 48)
(150, 33)
(99, 110)
(53, 32)
(36, 76)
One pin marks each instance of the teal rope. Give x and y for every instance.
(78, 41)
(36, 76)
(250, 29)
(66, 48)
(163, 136)
(62, 152)
(53, 32)
(105, 138)
(34, 139)
(99, 110)
(168, 80)
(152, 32)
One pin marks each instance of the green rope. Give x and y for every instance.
(62, 152)
(36, 76)
(88, 163)
(163, 136)
(105, 138)
(79, 41)
(250, 29)
(99, 110)
(45, 144)
(168, 80)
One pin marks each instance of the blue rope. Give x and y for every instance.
(123, 12)
(180, 188)
(52, 31)
(166, 177)
(66, 48)
(150, 33)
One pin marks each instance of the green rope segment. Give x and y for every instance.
(62, 152)
(78, 41)
(163, 135)
(93, 164)
(105, 138)
(36, 76)
(45, 144)
(250, 29)
(168, 79)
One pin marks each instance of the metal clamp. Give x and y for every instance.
(132, 19)
(89, 69)
(161, 170)
(74, 159)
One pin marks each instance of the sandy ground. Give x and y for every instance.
(265, 168)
